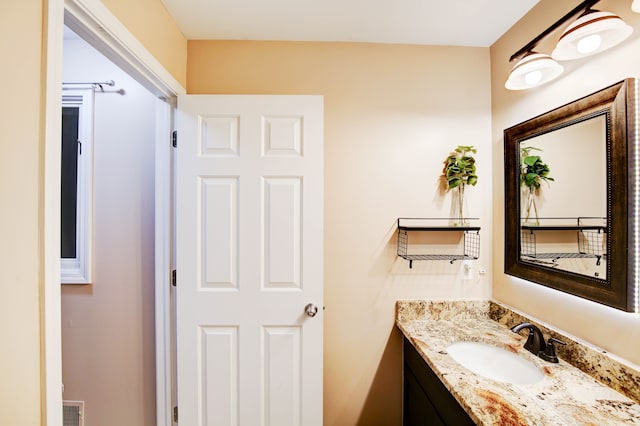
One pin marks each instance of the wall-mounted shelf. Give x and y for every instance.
(590, 238)
(471, 238)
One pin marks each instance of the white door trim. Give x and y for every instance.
(164, 263)
(50, 314)
(92, 21)
(96, 24)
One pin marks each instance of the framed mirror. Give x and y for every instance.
(570, 192)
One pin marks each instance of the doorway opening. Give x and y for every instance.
(95, 24)
(108, 320)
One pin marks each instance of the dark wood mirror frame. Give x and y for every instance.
(619, 104)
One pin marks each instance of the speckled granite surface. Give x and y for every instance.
(566, 396)
(594, 361)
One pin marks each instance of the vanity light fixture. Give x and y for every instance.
(593, 32)
(635, 6)
(533, 70)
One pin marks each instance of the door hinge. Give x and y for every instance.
(174, 280)
(175, 414)
(174, 138)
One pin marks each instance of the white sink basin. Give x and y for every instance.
(494, 362)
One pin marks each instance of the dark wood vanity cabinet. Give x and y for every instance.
(425, 399)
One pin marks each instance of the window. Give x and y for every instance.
(76, 187)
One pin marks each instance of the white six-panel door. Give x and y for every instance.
(249, 220)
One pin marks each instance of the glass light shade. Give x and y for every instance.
(635, 6)
(591, 33)
(533, 70)
(589, 44)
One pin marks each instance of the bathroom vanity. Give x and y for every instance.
(425, 399)
(587, 385)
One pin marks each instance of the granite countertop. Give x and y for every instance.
(568, 394)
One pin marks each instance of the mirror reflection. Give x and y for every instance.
(563, 197)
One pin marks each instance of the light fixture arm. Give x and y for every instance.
(582, 7)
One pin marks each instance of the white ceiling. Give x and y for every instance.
(432, 22)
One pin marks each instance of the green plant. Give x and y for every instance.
(533, 171)
(459, 171)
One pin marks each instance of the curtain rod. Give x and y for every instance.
(94, 84)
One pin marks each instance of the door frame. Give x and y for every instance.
(97, 25)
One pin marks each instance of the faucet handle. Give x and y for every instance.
(549, 354)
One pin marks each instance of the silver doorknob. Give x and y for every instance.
(311, 310)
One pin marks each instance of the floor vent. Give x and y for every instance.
(73, 413)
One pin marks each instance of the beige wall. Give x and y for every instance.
(392, 114)
(150, 23)
(615, 331)
(20, 221)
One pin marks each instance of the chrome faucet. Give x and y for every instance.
(535, 342)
